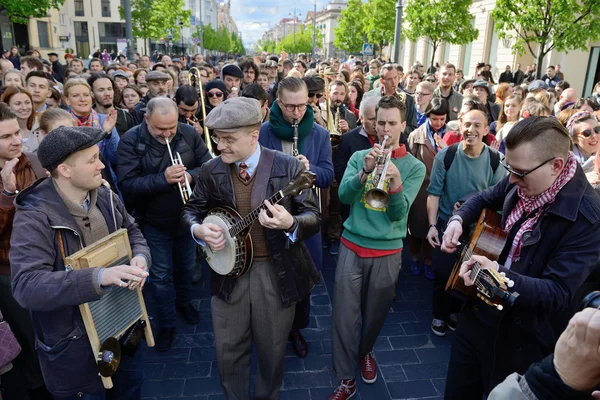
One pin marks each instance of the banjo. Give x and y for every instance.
(236, 257)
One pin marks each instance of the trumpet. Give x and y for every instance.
(378, 197)
(184, 188)
(194, 78)
(336, 133)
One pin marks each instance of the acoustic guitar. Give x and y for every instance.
(491, 286)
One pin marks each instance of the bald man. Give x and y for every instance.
(567, 96)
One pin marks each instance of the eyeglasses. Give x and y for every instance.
(522, 175)
(430, 80)
(421, 94)
(317, 95)
(225, 142)
(589, 132)
(292, 107)
(213, 94)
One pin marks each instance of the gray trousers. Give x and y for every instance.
(363, 286)
(256, 313)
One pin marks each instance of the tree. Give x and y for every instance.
(551, 24)
(223, 40)
(302, 43)
(153, 19)
(19, 11)
(439, 22)
(380, 23)
(350, 34)
(268, 46)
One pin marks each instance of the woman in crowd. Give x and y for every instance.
(355, 95)
(430, 78)
(423, 96)
(424, 143)
(343, 75)
(584, 130)
(54, 101)
(509, 116)
(502, 92)
(51, 119)
(140, 76)
(131, 96)
(12, 77)
(15, 57)
(171, 82)
(458, 80)
(263, 80)
(21, 102)
(411, 80)
(69, 73)
(586, 105)
(183, 78)
(596, 94)
(216, 93)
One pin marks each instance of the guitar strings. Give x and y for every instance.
(250, 218)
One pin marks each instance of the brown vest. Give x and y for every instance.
(243, 192)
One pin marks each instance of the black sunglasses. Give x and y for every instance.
(317, 95)
(217, 94)
(589, 132)
(522, 175)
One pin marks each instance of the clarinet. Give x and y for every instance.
(295, 143)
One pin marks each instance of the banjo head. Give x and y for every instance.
(230, 260)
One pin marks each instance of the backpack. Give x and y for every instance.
(451, 153)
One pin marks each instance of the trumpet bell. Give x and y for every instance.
(377, 198)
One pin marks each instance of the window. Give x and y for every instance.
(81, 29)
(106, 8)
(43, 34)
(111, 29)
(79, 12)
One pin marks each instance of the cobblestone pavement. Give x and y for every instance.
(411, 360)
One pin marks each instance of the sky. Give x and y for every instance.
(255, 17)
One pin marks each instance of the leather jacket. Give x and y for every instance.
(296, 272)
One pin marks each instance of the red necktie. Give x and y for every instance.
(244, 173)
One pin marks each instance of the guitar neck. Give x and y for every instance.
(253, 216)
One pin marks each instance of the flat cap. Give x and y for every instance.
(157, 76)
(483, 84)
(233, 114)
(231, 70)
(537, 84)
(61, 142)
(120, 74)
(330, 71)
(315, 84)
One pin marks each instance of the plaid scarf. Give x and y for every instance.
(540, 202)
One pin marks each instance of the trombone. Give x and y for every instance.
(194, 79)
(184, 188)
(378, 197)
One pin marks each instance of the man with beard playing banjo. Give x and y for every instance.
(259, 305)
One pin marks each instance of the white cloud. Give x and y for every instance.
(252, 31)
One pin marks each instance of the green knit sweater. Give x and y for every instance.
(380, 229)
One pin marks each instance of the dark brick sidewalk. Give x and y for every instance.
(411, 360)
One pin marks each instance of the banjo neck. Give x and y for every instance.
(249, 219)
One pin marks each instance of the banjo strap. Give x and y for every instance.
(263, 173)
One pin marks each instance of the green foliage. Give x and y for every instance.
(223, 42)
(236, 46)
(551, 24)
(20, 11)
(152, 19)
(303, 43)
(380, 22)
(266, 46)
(439, 22)
(350, 34)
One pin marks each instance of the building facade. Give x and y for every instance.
(581, 68)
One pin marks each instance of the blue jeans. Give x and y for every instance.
(173, 257)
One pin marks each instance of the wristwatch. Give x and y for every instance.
(455, 218)
(9, 194)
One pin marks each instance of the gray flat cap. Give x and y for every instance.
(61, 142)
(119, 73)
(537, 84)
(483, 84)
(233, 114)
(157, 76)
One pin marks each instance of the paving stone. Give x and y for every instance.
(390, 329)
(196, 340)
(321, 310)
(440, 385)
(392, 373)
(324, 322)
(203, 354)
(415, 372)
(153, 371)
(396, 357)
(320, 300)
(317, 362)
(438, 354)
(409, 342)
(203, 386)
(400, 317)
(173, 355)
(187, 370)
(299, 394)
(305, 380)
(293, 364)
(163, 388)
(411, 389)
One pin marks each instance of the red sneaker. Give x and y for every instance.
(368, 368)
(346, 390)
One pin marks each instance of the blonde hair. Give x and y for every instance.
(75, 82)
(294, 73)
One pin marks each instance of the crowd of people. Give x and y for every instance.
(85, 150)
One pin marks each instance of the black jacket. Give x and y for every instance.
(141, 173)
(493, 111)
(518, 77)
(296, 272)
(556, 258)
(505, 77)
(140, 110)
(41, 284)
(351, 142)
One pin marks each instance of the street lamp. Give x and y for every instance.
(295, 16)
(181, 28)
(397, 32)
(314, 42)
